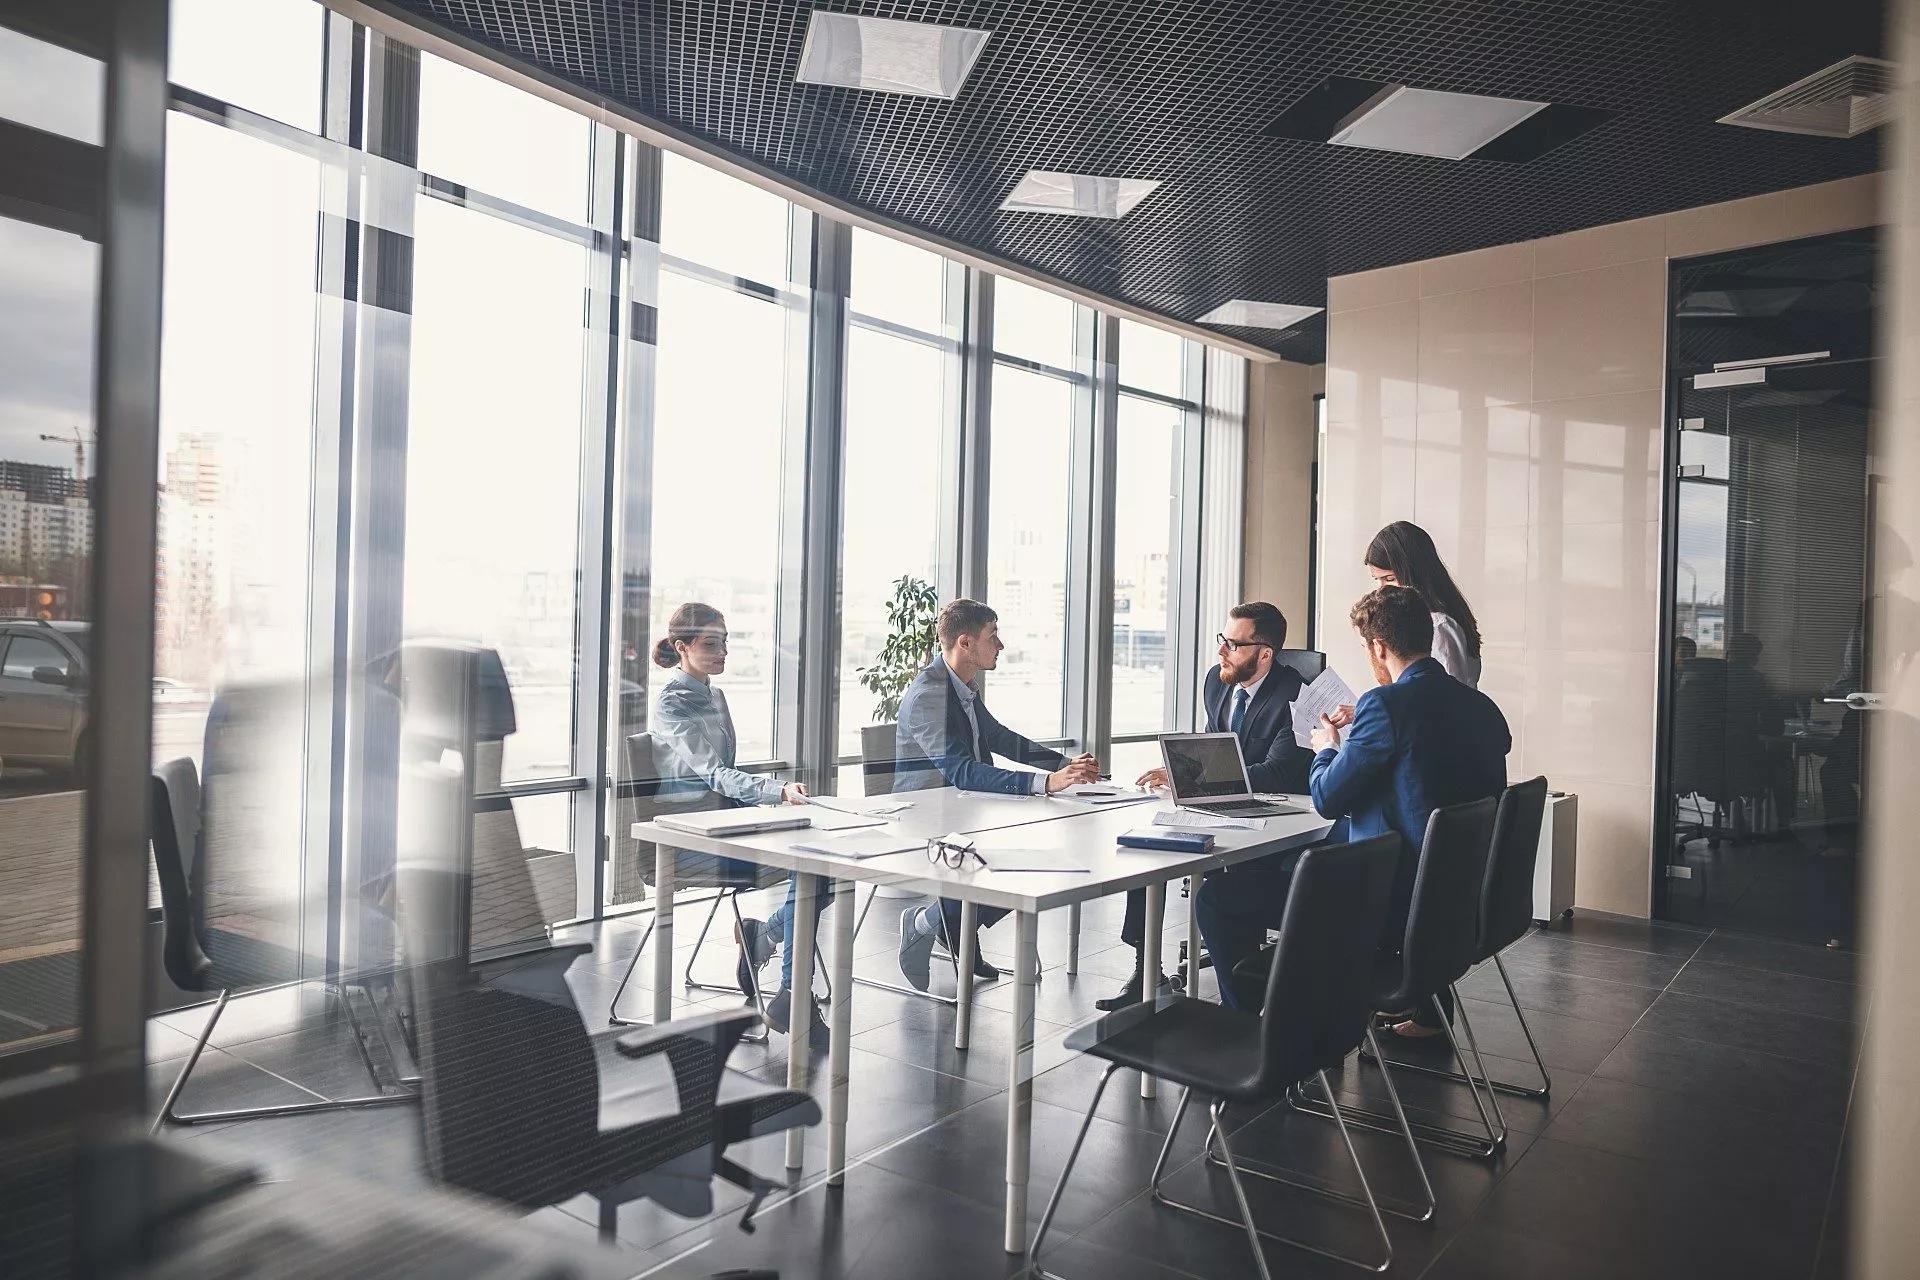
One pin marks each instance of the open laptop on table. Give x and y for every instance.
(1208, 775)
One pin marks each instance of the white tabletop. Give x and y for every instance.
(1083, 833)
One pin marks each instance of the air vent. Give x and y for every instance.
(1843, 101)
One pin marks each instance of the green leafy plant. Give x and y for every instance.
(912, 634)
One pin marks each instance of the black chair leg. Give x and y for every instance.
(609, 1219)
(168, 1115)
(1517, 1090)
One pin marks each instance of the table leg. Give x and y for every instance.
(663, 865)
(1073, 939)
(1026, 951)
(963, 986)
(1193, 936)
(1150, 963)
(840, 1054)
(800, 1006)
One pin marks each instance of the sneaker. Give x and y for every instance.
(779, 1014)
(756, 948)
(916, 950)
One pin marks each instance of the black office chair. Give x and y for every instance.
(514, 1104)
(1305, 663)
(692, 871)
(176, 842)
(1506, 911)
(1315, 1009)
(1443, 927)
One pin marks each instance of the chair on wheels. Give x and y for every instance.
(1437, 949)
(516, 1102)
(694, 871)
(1506, 910)
(177, 864)
(1315, 1009)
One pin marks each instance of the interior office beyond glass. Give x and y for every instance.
(411, 391)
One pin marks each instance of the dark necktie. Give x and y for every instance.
(1239, 709)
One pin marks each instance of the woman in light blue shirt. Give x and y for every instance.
(698, 758)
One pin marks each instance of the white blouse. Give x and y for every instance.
(1450, 651)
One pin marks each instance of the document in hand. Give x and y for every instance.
(1326, 692)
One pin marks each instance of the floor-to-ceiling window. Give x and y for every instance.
(1039, 385)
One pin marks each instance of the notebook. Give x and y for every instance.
(735, 822)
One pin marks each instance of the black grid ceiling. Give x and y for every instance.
(1180, 90)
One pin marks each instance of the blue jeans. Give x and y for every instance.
(780, 923)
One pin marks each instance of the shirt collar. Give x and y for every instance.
(686, 681)
(961, 687)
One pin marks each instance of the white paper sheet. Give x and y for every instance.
(1326, 692)
(1104, 793)
(1186, 818)
(862, 844)
(864, 808)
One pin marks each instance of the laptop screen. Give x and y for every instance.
(1204, 766)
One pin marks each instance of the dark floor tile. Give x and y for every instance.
(1481, 1252)
(255, 1015)
(1646, 1217)
(325, 1058)
(166, 1043)
(1071, 1084)
(1760, 1081)
(1067, 999)
(1703, 1134)
(888, 1100)
(1573, 1044)
(1595, 960)
(1432, 1100)
(221, 1082)
(966, 1154)
(923, 1036)
(379, 1146)
(1558, 992)
(1116, 963)
(879, 1226)
(1781, 957)
(1629, 933)
(1751, 1026)
(1784, 992)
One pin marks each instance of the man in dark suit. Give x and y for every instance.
(1418, 742)
(947, 737)
(1245, 694)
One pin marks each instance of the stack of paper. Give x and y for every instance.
(1327, 692)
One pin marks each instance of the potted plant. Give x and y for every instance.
(912, 615)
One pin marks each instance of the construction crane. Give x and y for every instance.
(79, 443)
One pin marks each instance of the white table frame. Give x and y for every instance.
(1088, 832)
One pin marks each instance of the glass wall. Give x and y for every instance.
(1039, 386)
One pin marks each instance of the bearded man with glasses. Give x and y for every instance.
(1246, 694)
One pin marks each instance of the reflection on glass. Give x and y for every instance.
(1145, 480)
(1032, 324)
(720, 394)
(895, 406)
(1029, 516)
(493, 461)
(718, 221)
(47, 284)
(264, 55)
(483, 134)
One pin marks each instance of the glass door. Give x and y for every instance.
(1769, 604)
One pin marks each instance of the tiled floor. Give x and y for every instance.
(1701, 1085)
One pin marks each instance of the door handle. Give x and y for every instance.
(1858, 701)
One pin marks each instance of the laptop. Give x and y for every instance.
(735, 822)
(1209, 775)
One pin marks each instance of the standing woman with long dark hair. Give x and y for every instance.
(1402, 555)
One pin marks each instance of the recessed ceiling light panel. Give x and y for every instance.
(1078, 194)
(1432, 122)
(888, 56)
(1244, 313)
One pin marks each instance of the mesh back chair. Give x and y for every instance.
(693, 871)
(1305, 663)
(1316, 1009)
(516, 1103)
(176, 826)
(1437, 949)
(1506, 911)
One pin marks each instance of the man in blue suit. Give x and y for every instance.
(1244, 694)
(947, 737)
(1418, 742)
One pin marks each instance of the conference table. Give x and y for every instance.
(1054, 830)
